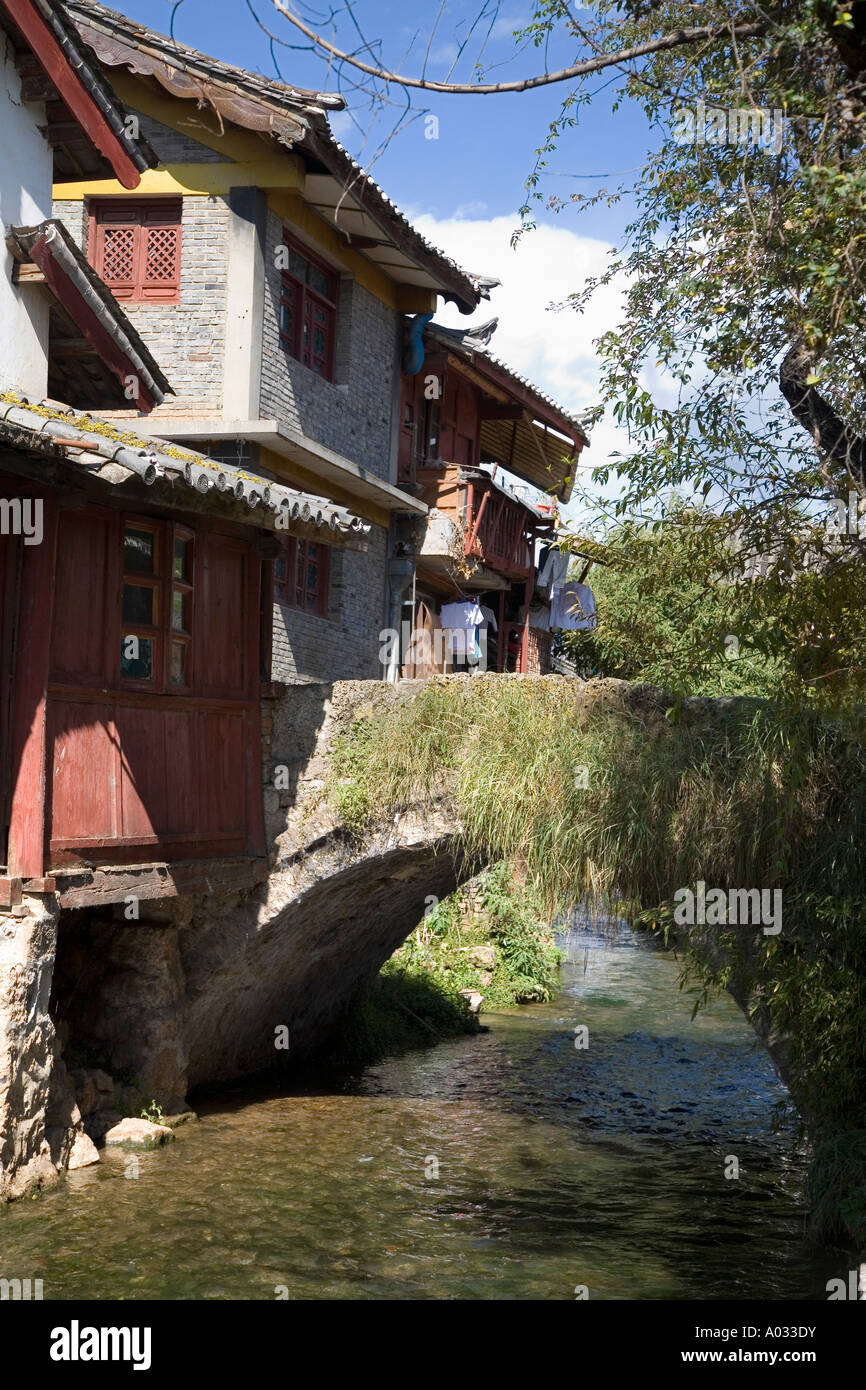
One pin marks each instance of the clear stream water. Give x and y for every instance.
(557, 1167)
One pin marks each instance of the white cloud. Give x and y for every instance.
(474, 208)
(504, 28)
(343, 127)
(553, 349)
(445, 53)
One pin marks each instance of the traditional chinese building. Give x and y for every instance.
(470, 428)
(271, 277)
(135, 575)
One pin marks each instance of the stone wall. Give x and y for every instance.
(332, 910)
(41, 1130)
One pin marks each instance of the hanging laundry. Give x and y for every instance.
(466, 615)
(572, 608)
(425, 652)
(462, 621)
(552, 567)
(539, 616)
(489, 617)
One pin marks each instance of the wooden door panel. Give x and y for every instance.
(224, 781)
(82, 744)
(221, 620)
(141, 734)
(183, 783)
(9, 586)
(78, 634)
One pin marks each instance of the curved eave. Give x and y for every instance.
(81, 294)
(80, 85)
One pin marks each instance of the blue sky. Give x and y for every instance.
(485, 146)
(463, 188)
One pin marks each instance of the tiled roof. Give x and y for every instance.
(93, 294)
(475, 341)
(481, 284)
(102, 450)
(293, 115)
(89, 74)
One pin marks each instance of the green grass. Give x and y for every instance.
(416, 998)
(510, 921)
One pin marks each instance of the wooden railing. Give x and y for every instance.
(496, 528)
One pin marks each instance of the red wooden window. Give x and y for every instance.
(157, 606)
(302, 574)
(308, 310)
(135, 247)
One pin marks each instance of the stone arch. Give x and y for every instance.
(298, 963)
(191, 993)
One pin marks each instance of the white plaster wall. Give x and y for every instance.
(25, 198)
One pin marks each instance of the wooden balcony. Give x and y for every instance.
(498, 529)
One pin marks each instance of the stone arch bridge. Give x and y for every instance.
(100, 1014)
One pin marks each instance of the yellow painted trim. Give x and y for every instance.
(193, 180)
(296, 476)
(292, 209)
(411, 299)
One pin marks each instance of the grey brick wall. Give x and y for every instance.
(353, 414)
(175, 148)
(346, 643)
(74, 218)
(187, 339)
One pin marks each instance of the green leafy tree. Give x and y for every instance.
(679, 605)
(669, 613)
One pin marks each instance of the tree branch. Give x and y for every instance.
(675, 39)
(837, 442)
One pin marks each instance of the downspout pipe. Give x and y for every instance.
(401, 570)
(413, 358)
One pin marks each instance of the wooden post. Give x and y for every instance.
(27, 827)
(255, 826)
(501, 635)
(524, 646)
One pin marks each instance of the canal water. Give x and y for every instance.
(506, 1165)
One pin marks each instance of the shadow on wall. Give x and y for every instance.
(350, 414)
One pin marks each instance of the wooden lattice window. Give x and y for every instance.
(308, 310)
(302, 574)
(135, 248)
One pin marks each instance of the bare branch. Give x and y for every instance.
(676, 39)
